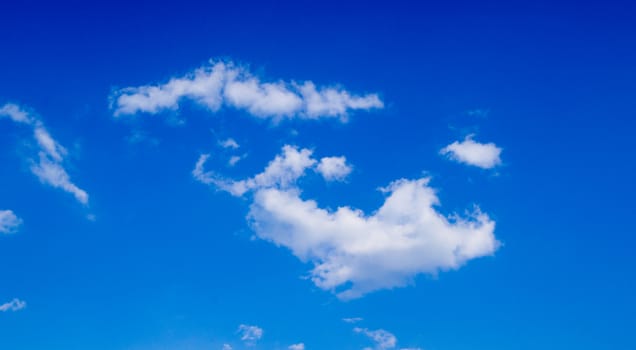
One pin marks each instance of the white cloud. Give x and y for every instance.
(382, 339)
(13, 305)
(226, 83)
(227, 347)
(48, 144)
(52, 173)
(483, 155)
(333, 168)
(299, 346)
(355, 253)
(352, 319)
(250, 334)
(229, 143)
(16, 114)
(199, 173)
(233, 160)
(51, 154)
(9, 222)
(284, 170)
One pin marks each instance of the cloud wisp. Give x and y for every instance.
(9, 222)
(482, 155)
(250, 334)
(224, 83)
(13, 305)
(354, 253)
(382, 339)
(51, 155)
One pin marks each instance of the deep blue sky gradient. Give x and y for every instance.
(169, 263)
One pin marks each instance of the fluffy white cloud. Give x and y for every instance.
(13, 305)
(299, 346)
(333, 168)
(250, 334)
(355, 253)
(48, 168)
(9, 222)
(382, 339)
(483, 155)
(225, 83)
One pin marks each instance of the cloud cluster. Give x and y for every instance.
(483, 155)
(48, 166)
(13, 305)
(355, 253)
(228, 84)
(9, 222)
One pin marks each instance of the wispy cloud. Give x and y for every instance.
(250, 334)
(9, 222)
(299, 346)
(13, 305)
(483, 155)
(355, 253)
(235, 159)
(229, 143)
(51, 155)
(284, 170)
(224, 83)
(382, 339)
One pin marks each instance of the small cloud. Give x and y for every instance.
(482, 155)
(229, 143)
(9, 222)
(299, 346)
(199, 173)
(382, 339)
(334, 168)
(478, 112)
(139, 137)
(235, 159)
(227, 347)
(13, 305)
(282, 171)
(15, 113)
(250, 334)
(352, 319)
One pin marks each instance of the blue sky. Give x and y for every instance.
(305, 175)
